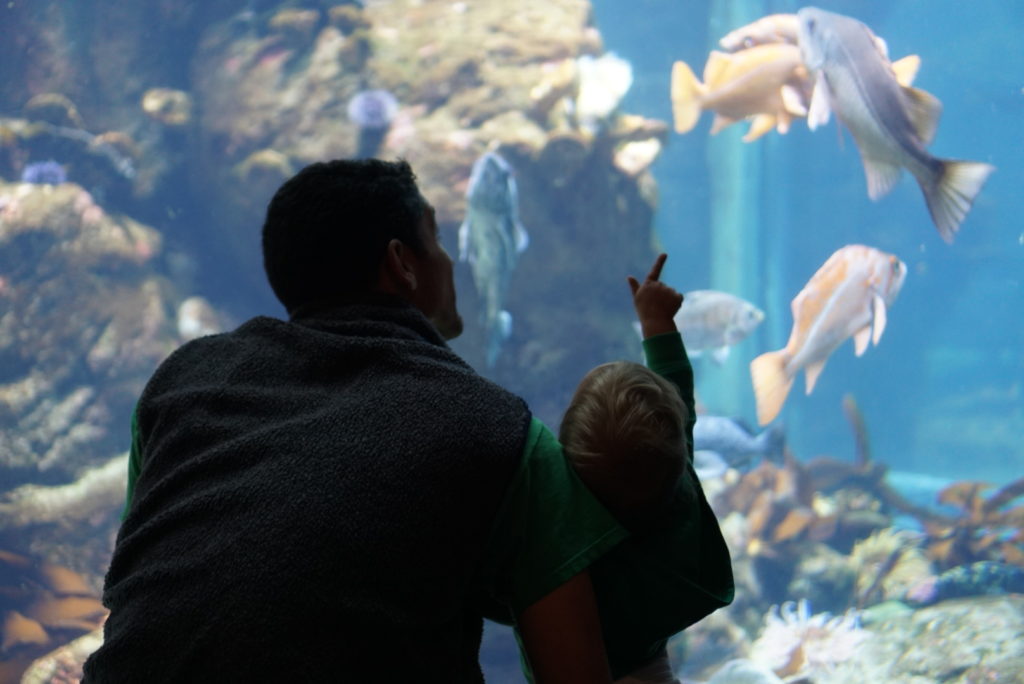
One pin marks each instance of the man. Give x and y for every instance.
(338, 497)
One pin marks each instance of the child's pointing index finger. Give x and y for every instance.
(655, 273)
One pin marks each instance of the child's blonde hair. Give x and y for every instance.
(624, 433)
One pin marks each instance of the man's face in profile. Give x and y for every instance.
(435, 292)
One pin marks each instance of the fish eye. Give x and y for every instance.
(811, 24)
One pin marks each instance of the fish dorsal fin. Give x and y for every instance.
(878, 320)
(881, 176)
(761, 124)
(905, 70)
(811, 373)
(821, 107)
(793, 100)
(924, 110)
(717, 64)
(861, 339)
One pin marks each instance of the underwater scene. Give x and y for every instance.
(838, 189)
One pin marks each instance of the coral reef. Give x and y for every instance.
(954, 642)
(888, 564)
(45, 605)
(982, 531)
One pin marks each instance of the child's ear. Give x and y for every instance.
(398, 272)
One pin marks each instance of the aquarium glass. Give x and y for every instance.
(837, 190)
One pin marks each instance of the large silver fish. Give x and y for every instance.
(890, 123)
(491, 239)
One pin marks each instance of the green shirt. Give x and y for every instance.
(658, 582)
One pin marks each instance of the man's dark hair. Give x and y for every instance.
(328, 226)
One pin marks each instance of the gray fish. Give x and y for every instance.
(491, 239)
(890, 123)
(713, 321)
(734, 443)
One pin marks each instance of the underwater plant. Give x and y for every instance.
(795, 642)
(44, 173)
(888, 564)
(372, 111)
(983, 531)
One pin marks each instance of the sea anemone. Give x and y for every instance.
(794, 642)
(372, 111)
(44, 173)
(373, 108)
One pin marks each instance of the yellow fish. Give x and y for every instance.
(768, 83)
(847, 297)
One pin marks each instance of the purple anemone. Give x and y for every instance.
(372, 108)
(44, 173)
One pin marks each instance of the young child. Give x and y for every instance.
(628, 433)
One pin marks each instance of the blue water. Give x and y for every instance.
(944, 390)
(942, 395)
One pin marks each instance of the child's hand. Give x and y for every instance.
(655, 302)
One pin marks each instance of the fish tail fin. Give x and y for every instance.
(686, 92)
(771, 384)
(951, 194)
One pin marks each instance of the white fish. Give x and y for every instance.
(713, 321)
(890, 123)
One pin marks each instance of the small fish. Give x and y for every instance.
(491, 238)
(890, 123)
(847, 297)
(767, 83)
(774, 28)
(714, 321)
(732, 441)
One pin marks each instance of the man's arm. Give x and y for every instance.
(561, 634)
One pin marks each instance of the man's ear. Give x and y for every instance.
(398, 273)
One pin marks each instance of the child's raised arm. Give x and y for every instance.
(655, 302)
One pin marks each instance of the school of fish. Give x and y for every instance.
(810, 65)
(770, 72)
(815, 63)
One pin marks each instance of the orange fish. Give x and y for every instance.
(767, 83)
(847, 297)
